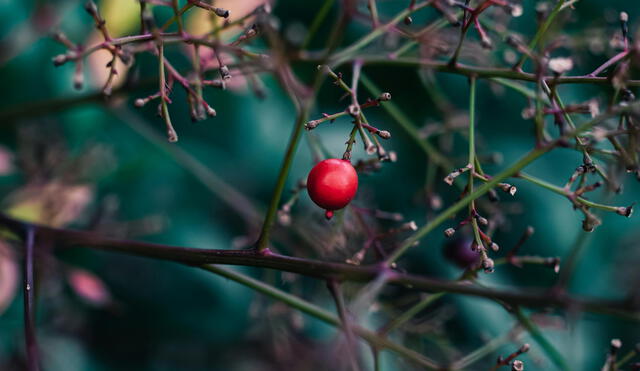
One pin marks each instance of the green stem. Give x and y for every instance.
(446, 214)
(513, 169)
(482, 351)
(303, 115)
(472, 124)
(564, 192)
(546, 346)
(626, 358)
(317, 22)
(410, 313)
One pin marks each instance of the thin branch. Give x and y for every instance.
(318, 269)
(375, 340)
(29, 302)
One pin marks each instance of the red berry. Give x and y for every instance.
(332, 184)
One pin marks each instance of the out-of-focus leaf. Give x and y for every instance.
(89, 287)
(6, 161)
(8, 276)
(199, 21)
(54, 204)
(122, 16)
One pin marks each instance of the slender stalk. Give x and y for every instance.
(178, 15)
(483, 351)
(566, 193)
(321, 314)
(31, 343)
(472, 125)
(510, 171)
(626, 358)
(373, 9)
(410, 313)
(347, 53)
(346, 323)
(317, 21)
(453, 209)
(303, 115)
(546, 346)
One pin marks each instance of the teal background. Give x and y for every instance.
(171, 317)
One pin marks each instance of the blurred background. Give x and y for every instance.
(71, 158)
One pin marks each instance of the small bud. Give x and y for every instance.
(555, 263)
(384, 97)
(560, 65)
(408, 20)
(78, 80)
(370, 149)
(508, 188)
(494, 246)
(517, 365)
(384, 134)
(482, 220)
(221, 12)
(311, 124)
(393, 156)
(624, 17)
(590, 223)
(284, 218)
(224, 73)
(488, 265)
(449, 232)
(60, 59)
(412, 226)
(454, 174)
(486, 42)
(615, 345)
(594, 108)
(524, 348)
(139, 102)
(435, 202)
(172, 137)
(516, 10)
(353, 110)
(210, 111)
(625, 211)
(91, 7)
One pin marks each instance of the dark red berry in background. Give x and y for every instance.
(458, 251)
(332, 184)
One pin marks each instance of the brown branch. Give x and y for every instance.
(321, 269)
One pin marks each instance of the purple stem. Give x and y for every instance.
(29, 288)
(608, 63)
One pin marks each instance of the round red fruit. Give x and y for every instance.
(332, 184)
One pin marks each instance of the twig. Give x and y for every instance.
(31, 342)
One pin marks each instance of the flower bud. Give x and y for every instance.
(384, 134)
(384, 97)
